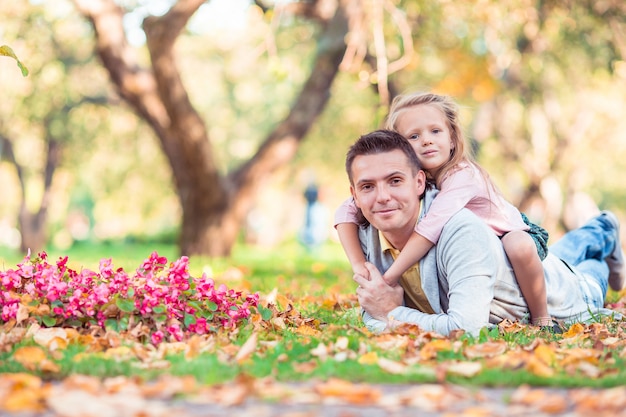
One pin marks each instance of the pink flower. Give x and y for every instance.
(176, 332)
(157, 337)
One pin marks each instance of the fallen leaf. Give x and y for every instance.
(465, 368)
(308, 331)
(21, 392)
(485, 350)
(52, 338)
(392, 367)
(247, 349)
(22, 313)
(545, 354)
(575, 329)
(430, 349)
(30, 357)
(539, 367)
(369, 358)
(352, 393)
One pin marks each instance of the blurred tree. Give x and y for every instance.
(35, 128)
(538, 82)
(213, 206)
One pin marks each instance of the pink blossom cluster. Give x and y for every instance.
(166, 298)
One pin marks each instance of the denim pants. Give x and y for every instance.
(585, 249)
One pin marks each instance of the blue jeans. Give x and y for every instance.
(585, 249)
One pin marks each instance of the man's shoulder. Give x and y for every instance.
(466, 225)
(465, 218)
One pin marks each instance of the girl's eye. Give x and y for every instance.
(414, 136)
(436, 131)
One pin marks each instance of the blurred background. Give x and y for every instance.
(204, 125)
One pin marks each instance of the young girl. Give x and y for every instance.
(430, 123)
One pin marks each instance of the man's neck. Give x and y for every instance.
(399, 238)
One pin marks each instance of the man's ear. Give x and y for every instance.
(354, 196)
(420, 180)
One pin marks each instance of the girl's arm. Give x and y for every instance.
(346, 220)
(416, 247)
(349, 237)
(457, 189)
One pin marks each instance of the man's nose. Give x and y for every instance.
(383, 194)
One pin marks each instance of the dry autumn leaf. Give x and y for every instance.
(368, 358)
(247, 349)
(575, 329)
(485, 350)
(465, 368)
(393, 367)
(21, 392)
(51, 338)
(430, 349)
(349, 392)
(30, 357)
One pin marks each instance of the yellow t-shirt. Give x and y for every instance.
(410, 281)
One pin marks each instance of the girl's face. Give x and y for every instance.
(426, 127)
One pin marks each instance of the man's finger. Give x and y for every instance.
(374, 272)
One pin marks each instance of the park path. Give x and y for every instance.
(334, 398)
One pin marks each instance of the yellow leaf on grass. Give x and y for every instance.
(538, 367)
(307, 331)
(430, 349)
(370, 358)
(575, 330)
(121, 353)
(545, 354)
(577, 355)
(30, 357)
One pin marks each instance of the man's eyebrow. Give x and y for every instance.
(386, 177)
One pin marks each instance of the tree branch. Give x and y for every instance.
(280, 146)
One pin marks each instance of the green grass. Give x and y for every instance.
(307, 279)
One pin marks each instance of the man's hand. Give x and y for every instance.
(375, 295)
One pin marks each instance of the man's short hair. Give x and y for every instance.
(380, 141)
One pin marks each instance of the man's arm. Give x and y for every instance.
(468, 269)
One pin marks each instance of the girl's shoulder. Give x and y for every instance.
(462, 170)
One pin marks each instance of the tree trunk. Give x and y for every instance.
(32, 225)
(213, 206)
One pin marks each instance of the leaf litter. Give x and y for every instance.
(588, 350)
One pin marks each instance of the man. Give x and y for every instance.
(466, 278)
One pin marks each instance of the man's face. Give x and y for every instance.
(386, 190)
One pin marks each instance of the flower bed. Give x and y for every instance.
(158, 301)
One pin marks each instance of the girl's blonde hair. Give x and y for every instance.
(460, 152)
